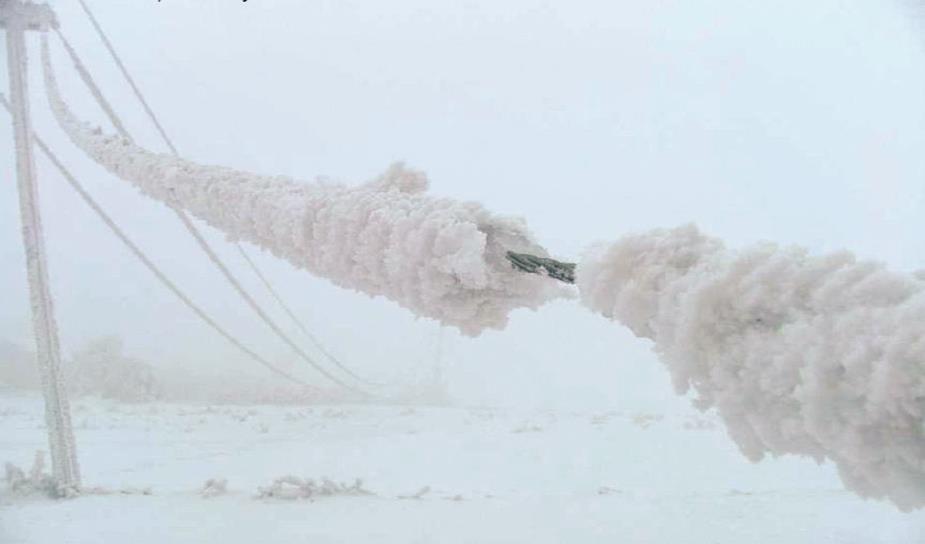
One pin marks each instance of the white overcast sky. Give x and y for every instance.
(790, 121)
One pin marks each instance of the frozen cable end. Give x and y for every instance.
(531, 264)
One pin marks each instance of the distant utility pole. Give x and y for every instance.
(17, 17)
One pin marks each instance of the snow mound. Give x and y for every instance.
(813, 355)
(437, 257)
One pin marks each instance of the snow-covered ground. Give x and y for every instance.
(436, 474)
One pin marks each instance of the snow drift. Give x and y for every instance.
(439, 258)
(814, 355)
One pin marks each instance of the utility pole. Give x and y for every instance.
(17, 17)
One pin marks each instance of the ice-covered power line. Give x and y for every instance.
(187, 223)
(813, 355)
(249, 300)
(125, 73)
(91, 85)
(148, 263)
(440, 258)
(120, 128)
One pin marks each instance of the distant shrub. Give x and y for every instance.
(102, 369)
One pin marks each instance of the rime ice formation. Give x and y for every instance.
(62, 445)
(439, 258)
(814, 355)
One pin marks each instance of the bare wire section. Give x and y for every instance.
(564, 272)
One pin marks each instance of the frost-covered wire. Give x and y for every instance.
(813, 355)
(439, 258)
(253, 303)
(282, 304)
(93, 87)
(187, 223)
(120, 128)
(126, 75)
(147, 262)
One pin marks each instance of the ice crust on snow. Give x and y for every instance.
(799, 354)
(437, 257)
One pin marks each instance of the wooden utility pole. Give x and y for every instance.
(17, 17)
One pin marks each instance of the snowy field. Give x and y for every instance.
(434, 474)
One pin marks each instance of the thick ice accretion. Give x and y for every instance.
(814, 355)
(438, 257)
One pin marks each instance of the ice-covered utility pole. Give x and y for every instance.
(17, 17)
